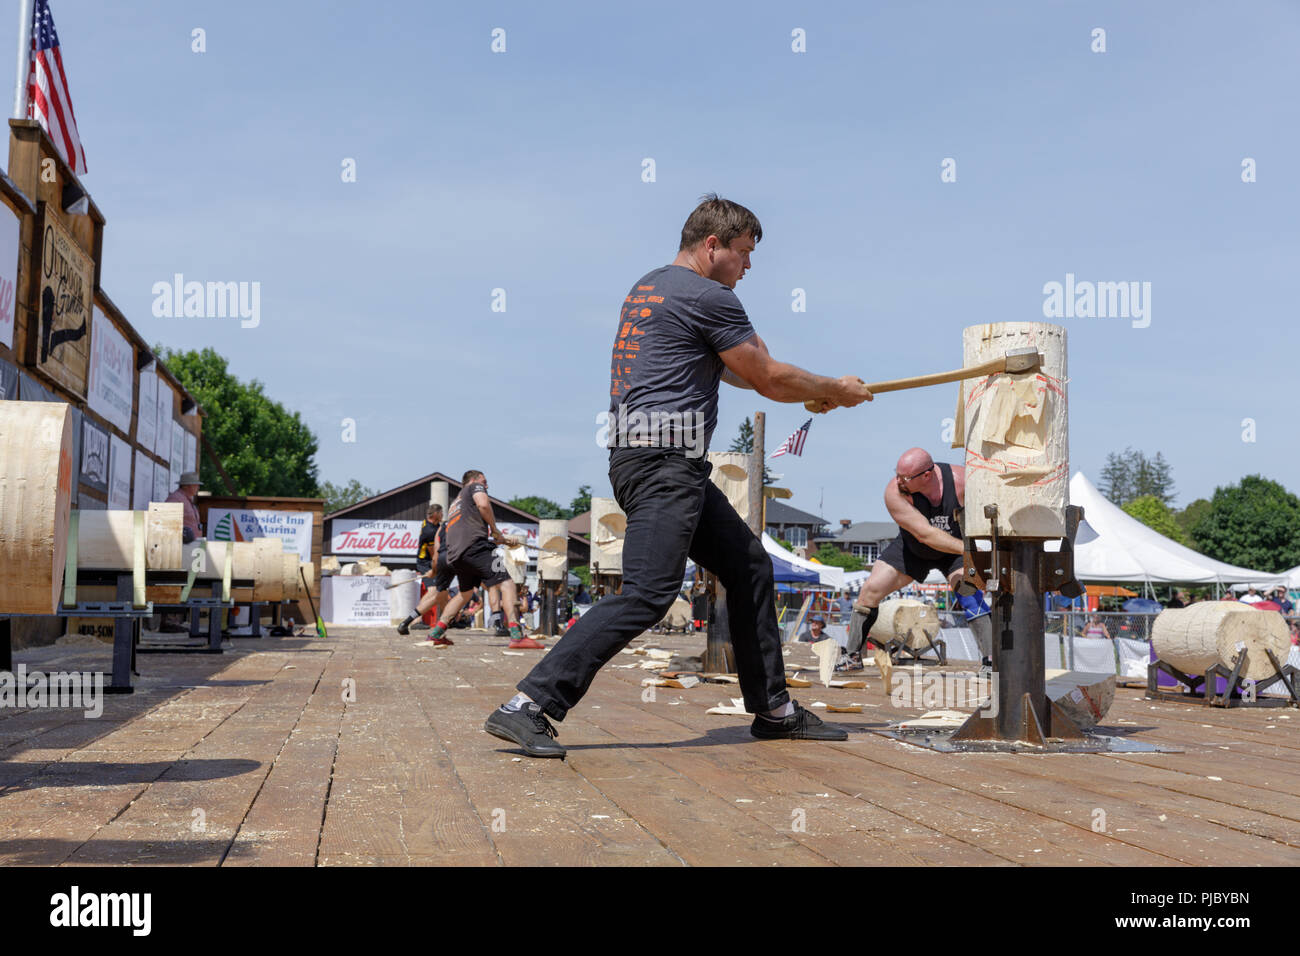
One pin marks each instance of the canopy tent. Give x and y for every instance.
(1293, 578)
(824, 574)
(853, 580)
(1114, 546)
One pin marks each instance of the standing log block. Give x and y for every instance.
(268, 570)
(289, 564)
(553, 540)
(106, 539)
(731, 475)
(1196, 638)
(608, 528)
(907, 620)
(35, 500)
(1016, 431)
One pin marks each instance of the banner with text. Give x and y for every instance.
(112, 373)
(8, 277)
(238, 524)
(119, 474)
(375, 536)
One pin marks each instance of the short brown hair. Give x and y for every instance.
(434, 509)
(471, 474)
(719, 217)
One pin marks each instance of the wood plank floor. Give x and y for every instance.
(367, 748)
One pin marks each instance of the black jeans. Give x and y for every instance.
(673, 511)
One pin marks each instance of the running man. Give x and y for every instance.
(431, 563)
(470, 523)
(682, 331)
(923, 499)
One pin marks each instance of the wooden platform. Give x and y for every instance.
(254, 758)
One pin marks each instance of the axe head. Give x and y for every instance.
(1024, 360)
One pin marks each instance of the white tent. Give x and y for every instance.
(827, 575)
(1293, 578)
(1114, 546)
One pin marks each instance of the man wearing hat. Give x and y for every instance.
(185, 495)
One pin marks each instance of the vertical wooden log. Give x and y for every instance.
(1017, 433)
(35, 500)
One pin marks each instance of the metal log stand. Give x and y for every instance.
(1017, 573)
(1237, 692)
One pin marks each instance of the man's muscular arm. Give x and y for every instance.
(782, 382)
(913, 522)
(484, 505)
(731, 378)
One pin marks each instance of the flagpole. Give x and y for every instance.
(24, 58)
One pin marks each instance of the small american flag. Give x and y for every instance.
(48, 101)
(794, 444)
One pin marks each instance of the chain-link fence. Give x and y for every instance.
(1103, 624)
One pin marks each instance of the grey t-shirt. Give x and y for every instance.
(464, 525)
(665, 369)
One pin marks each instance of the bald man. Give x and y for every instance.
(923, 498)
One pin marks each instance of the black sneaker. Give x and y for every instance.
(527, 727)
(403, 628)
(501, 631)
(801, 725)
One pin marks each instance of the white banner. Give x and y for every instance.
(160, 489)
(143, 489)
(8, 276)
(112, 373)
(94, 455)
(178, 454)
(162, 446)
(356, 600)
(191, 462)
(375, 536)
(239, 524)
(146, 412)
(119, 475)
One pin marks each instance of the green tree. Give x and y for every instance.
(1155, 514)
(1187, 520)
(833, 556)
(1131, 474)
(786, 544)
(265, 448)
(338, 497)
(744, 442)
(541, 507)
(1254, 524)
(581, 501)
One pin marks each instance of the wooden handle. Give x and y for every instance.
(920, 381)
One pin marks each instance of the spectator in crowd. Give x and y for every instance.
(816, 629)
(189, 487)
(1094, 628)
(1251, 597)
(582, 596)
(1284, 602)
(1178, 600)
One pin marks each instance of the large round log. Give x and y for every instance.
(35, 500)
(106, 539)
(907, 620)
(210, 557)
(1016, 432)
(1195, 638)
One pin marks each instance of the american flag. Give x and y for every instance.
(48, 101)
(794, 444)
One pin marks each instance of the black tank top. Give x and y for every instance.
(942, 516)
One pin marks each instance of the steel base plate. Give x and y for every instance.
(941, 741)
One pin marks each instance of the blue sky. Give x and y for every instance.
(522, 171)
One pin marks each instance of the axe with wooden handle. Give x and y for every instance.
(1017, 361)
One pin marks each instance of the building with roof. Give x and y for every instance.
(862, 539)
(791, 525)
(388, 525)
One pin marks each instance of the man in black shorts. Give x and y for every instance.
(431, 563)
(923, 498)
(681, 331)
(470, 523)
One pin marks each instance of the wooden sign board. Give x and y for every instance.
(65, 284)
